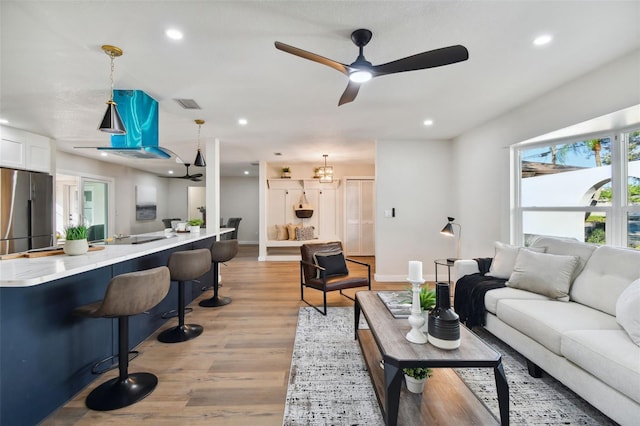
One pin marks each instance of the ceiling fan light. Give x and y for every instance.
(360, 76)
(199, 161)
(111, 122)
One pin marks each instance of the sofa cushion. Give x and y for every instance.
(504, 259)
(492, 297)
(546, 274)
(607, 273)
(546, 320)
(608, 355)
(567, 247)
(628, 311)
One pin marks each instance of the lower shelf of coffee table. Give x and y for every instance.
(446, 399)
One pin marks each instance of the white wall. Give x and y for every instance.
(414, 177)
(239, 198)
(469, 178)
(481, 156)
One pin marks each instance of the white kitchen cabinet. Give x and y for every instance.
(24, 150)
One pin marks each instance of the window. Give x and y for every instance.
(573, 188)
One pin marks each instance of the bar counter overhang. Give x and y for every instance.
(46, 353)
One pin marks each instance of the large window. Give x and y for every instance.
(587, 188)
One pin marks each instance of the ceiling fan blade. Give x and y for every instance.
(349, 93)
(344, 69)
(430, 59)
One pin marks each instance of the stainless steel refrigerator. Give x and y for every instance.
(26, 210)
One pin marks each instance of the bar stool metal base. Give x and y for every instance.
(174, 313)
(215, 301)
(181, 333)
(117, 393)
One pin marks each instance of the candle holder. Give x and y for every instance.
(416, 320)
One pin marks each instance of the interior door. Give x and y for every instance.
(360, 217)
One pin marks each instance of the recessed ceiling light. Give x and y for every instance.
(246, 172)
(174, 34)
(542, 40)
(4, 121)
(170, 172)
(428, 122)
(104, 154)
(242, 121)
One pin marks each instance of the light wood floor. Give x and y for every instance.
(236, 372)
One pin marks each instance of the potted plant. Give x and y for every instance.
(286, 173)
(76, 240)
(195, 224)
(416, 377)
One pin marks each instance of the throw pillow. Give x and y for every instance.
(505, 259)
(542, 273)
(332, 261)
(282, 232)
(628, 311)
(305, 233)
(291, 228)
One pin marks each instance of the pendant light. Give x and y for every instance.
(111, 122)
(326, 172)
(199, 161)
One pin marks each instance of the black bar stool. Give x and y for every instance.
(127, 294)
(221, 251)
(185, 266)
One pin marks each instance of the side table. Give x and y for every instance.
(444, 262)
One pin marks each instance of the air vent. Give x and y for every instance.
(188, 103)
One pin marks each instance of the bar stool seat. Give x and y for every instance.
(185, 266)
(221, 251)
(127, 294)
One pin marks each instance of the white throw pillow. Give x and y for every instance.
(628, 311)
(542, 273)
(505, 259)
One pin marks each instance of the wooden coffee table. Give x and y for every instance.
(446, 399)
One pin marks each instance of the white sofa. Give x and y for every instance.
(580, 342)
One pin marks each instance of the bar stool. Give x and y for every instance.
(127, 294)
(185, 266)
(221, 251)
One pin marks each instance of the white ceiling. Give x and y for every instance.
(55, 77)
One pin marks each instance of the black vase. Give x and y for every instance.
(444, 323)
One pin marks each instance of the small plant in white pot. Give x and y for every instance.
(416, 377)
(195, 224)
(76, 240)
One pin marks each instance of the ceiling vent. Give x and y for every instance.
(188, 103)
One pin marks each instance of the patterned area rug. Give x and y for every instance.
(329, 383)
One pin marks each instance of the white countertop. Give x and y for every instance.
(26, 272)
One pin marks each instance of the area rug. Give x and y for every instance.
(329, 383)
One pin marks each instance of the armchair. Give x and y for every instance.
(323, 267)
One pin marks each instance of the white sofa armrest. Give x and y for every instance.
(464, 267)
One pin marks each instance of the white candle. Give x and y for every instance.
(415, 270)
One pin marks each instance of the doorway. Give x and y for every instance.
(83, 200)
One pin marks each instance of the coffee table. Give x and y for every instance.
(446, 399)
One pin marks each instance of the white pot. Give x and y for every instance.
(194, 228)
(414, 385)
(76, 247)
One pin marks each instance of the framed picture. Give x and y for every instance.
(145, 202)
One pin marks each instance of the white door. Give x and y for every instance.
(360, 217)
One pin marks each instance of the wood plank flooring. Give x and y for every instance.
(236, 372)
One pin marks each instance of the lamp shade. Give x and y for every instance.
(199, 161)
(111, 122)
(448, 230)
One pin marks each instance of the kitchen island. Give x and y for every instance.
(46, 353)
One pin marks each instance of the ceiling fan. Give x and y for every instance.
(362, 70)
(195, 177)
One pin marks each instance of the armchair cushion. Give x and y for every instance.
(332, 261)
